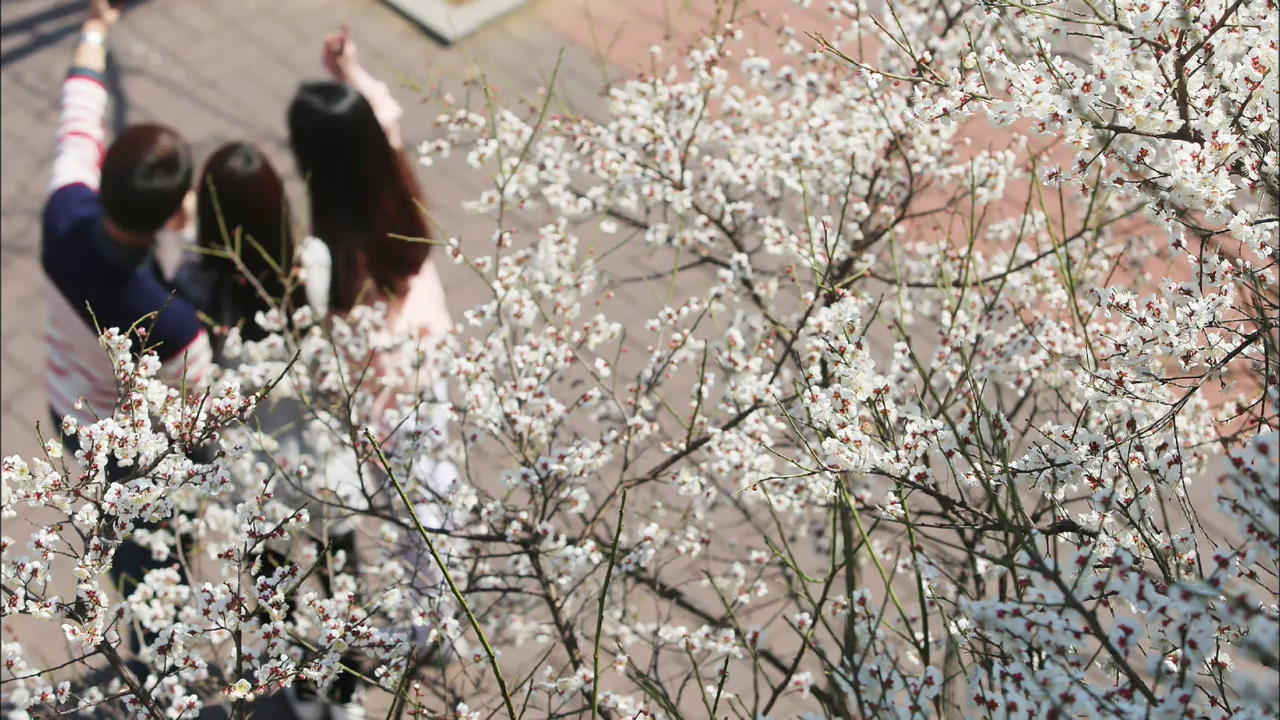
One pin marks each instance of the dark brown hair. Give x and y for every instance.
(362, 190)
(239, 191)
(145, 175)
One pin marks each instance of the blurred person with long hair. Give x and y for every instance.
(245, 244)
(367, 210)
(240, 270)
(365, 201)
(364, 195)
(368, 213)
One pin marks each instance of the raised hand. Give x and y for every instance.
(340, 57)
(101, 14)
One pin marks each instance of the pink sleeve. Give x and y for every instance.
(383, 103)
(190, 366)
(81, 133)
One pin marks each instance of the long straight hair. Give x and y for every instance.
(362, 192)
(239, 191)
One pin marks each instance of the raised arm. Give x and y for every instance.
(340, 59)
(81, 134)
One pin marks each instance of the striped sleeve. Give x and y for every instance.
(81, 134)
(192, 365)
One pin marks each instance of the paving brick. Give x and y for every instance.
(19, 230)
(28, 33)
(23, 408)
(24, 356)
(20, 292)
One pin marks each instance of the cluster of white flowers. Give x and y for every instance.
(924, 422)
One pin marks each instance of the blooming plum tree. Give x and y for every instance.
(920, 429)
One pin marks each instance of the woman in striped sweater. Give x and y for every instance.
(104, 210)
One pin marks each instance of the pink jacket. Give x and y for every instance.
(423, 308)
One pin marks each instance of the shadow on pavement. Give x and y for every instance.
(70, 13)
